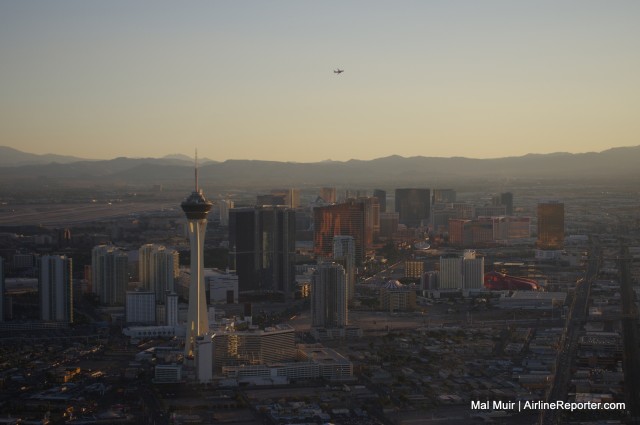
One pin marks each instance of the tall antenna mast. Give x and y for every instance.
(196, 170)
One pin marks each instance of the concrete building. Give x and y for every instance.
(223, 286)
(158, 268)
(466, 272)
(329, 297)
(345, 219)
(55, 288)
(262, 248)
(441, 196)
(395, 296)
(381, 195)
(167, 373)
(204, 359)
(413, 269)
(171, 309)
(224, 206)
(329, 195)
(413, 206)
(344, 253)
(388, 224)
(109, 274)
(140, 307)
(550, 225)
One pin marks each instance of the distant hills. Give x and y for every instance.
(616, 163)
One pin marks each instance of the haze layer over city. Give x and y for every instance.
(336, 213)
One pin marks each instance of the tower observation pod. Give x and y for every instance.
(196, 207)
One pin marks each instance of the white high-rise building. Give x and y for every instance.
(55, 289)
(141, 307)
(329, 296)
(466, 272)
(473, 270)
(110, 274)
(158, 268)
(450, 276)
(224, 206)
(344, 252)
(196, 207)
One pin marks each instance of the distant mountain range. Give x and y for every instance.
(617, 163)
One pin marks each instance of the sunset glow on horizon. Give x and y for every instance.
(255, 80)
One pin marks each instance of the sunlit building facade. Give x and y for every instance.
(550, 225)
(345, 219)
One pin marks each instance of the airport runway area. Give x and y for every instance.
(68, 214)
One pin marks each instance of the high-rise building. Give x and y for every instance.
(196, 207)
(171, 309)
(382, 199)
(344, 253)
(466, 272)
(443, 196)
(109, 274)
(413, 206)
(510, 227)
(472, 270)
(505, 199)
(413, 268)
(55, 288)
(328, 195)
(158, 267)
(345, 219)
(371, 220)
(329, 297)
(288, 197)
(140, 307)
(470, 232)
(223, 207)
(262, 248)
(550, 225)
(388, 224)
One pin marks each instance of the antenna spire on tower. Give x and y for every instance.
(196, 169)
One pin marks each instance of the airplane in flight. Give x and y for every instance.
(338, 71)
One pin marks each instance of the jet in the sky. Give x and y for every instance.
(338, 71)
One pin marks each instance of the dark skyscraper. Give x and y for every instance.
(382, 199)
(55, 289)
(505, 199)
(262, 248)
(413, 206)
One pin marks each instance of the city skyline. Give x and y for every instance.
(256, 81)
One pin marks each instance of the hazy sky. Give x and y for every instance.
(254, 79)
